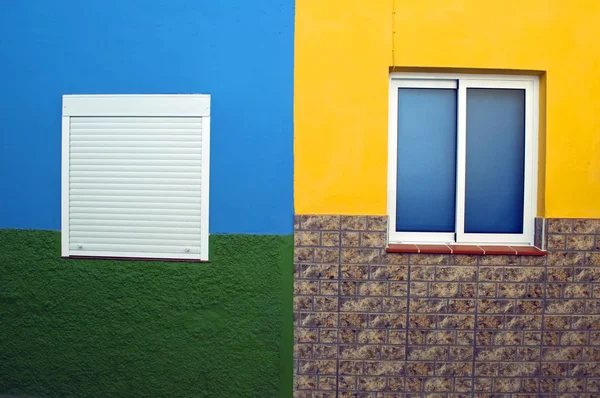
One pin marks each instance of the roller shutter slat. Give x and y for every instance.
(123, 236)
(129, 228)
(116, 149)
(113, 249)
(134, 211)
(77, 222)
(134, 199)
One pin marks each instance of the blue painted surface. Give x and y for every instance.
(240, 52)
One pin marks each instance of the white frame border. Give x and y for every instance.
(204, 211)
(189, 105)
(65, 197)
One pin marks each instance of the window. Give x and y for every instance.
(135, 176)
(462, 159)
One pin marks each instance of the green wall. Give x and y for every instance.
(98, 328)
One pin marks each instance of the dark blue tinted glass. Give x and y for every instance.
(495, 161)
(426, 189)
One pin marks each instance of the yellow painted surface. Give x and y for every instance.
(344, 49)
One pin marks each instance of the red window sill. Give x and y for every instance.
(466, 249)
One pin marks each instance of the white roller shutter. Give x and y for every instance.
(135, 176)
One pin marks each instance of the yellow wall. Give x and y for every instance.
(343, 55)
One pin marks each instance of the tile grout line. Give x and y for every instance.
(542, 328)
(473, 367)
(296, 327)
(339, 303)
(407, 320)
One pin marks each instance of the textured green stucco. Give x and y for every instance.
(98, 328)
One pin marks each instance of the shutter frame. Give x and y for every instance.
(130, 119)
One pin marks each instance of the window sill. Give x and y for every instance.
(466, 249)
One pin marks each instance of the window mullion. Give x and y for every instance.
(461, 147)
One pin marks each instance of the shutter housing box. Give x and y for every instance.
(135, 176)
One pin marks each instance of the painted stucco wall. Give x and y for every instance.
(240, 52)
(87, 328)
(344, 49)
(127, 328)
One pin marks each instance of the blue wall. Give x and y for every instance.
(240, 52)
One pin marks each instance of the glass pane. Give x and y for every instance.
(495, 161)
(426, 187)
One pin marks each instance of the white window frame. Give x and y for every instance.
(133, 105)
(462, 82)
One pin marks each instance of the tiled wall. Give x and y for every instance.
(372, 324)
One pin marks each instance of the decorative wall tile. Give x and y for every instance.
(354, 271)
(377, 239)
(593, 259)
(560, 226)
(389, 272)
(387, 321)
(588, 226)
(326, 255)
(499, 260)
(429, 259)
(373, 288)
(350, 367)
(317, 367)
(353, 320)
(319, 223)
(319, 271)
(520, 274)
(354, 223)
(330, 239)
(384, 368)
(395, 258)
(359, 351)
(360, 256)
(327, 383)
(580, 242)
(377, 223)
(329, 288)
(307, 238)
(350, 238)
(557, 242)
(370, 336)
(565, 259)
(375, 324)
(304, 254)
(328, 335)
(456, 273)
